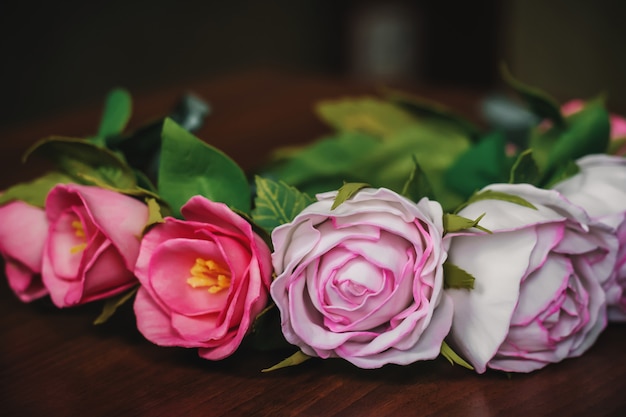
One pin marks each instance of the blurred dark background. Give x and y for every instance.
(60, 55)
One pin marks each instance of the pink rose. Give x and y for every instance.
(23, 231)
(203, 280)
(537, 296)
(618, 123)
(363, 281)
(600, 189)
(92, 244)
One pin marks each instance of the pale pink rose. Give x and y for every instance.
(537, 296)
(23, 231)
(600, 189)
(618, 123)
(203, 280)
(363, 281)
(92, 245)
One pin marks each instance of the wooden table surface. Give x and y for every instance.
(56, 363)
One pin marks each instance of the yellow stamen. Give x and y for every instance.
(209, 274)
(79, 232)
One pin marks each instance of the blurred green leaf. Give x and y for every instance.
(540, 103)
(116, 114)
(588, 133)
(417, 185)
(484, 163)
(561, 173)
(364, 114)
(80, 160)
(425, 108)
(277, 203)
(525, 169)
(325, 164)
(34, 192)
(191, 167)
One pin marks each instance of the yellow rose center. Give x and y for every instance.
(79, 232)
(209, 274)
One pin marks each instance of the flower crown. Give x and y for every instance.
(407, 234)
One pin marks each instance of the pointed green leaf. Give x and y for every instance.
(417, 185)
(423, 107)
(364, 114)
(455, 277)
(295, 359)
(455, 223)
(34, 192)
(525, 169)
(191, 167)
(453, 357)
(277, 203)
(347, 191)
(496, 195)
(540, 103)
(116, 114)
(80, 159)
(112, 304)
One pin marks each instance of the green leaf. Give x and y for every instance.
(417, 185)
(615, 145)
(455, 223)
(325, 164)
(562, 173)
(277, 203)
(455, 277)
(484, 163)
(80, 159)
(496, 195)
(36, 191)
(588, 133)
(295, 359)
(347, 191)
(423, 107)
(116, 114)
(364, 114)
(154, 214)
(525, 169)
(540, 103)
(112, 304)
(191, 167)
(452, 357)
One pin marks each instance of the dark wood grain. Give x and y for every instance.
(55, 362)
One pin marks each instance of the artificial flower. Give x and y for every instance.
(537, 296)
(599, 188)
(203, 279)
(92, 244)
(23, 231)
(363, 281)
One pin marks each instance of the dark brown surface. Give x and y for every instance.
(54, 362)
